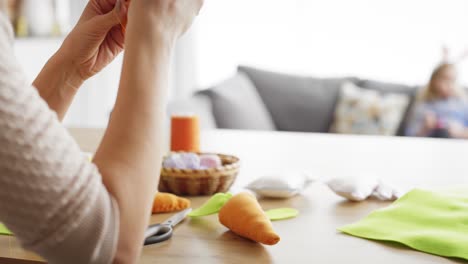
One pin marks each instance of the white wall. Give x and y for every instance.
(398, 40)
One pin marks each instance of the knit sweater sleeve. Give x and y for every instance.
(52, 198)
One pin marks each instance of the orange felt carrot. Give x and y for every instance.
(243, 215)
(166, 202)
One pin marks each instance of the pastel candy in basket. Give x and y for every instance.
(192, 161)
(280, 185)
(185, 174)
(210, 161)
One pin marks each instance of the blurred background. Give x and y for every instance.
(396, 41)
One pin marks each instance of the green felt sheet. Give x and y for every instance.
(435, 222)
(4, 230)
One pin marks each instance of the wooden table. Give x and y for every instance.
(312, 236)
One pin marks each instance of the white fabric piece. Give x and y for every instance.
(353, 188)
(361, 188)
(280, 185)
(386, 192)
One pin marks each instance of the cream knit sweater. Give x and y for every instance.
(51, 196)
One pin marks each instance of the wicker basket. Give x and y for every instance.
(200, 182)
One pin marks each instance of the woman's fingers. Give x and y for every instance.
(120, 11)
(192, 9)
(107, 5)
(194, 5)
(174, 16)
(200, 5)
(104, 23)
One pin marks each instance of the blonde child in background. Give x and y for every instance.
(441, 109)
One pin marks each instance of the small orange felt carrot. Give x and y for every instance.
(243, 215)
(166, 202)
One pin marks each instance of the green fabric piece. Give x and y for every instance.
(217, 201)
(4, 230)
(212, 206)
(281, 213)
(434, 222)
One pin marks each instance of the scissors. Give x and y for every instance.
(163, 231)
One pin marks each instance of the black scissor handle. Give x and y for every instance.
(164, 232)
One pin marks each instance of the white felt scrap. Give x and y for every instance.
(361, 188)
(353, 188)
(280, 185)
(386, 192)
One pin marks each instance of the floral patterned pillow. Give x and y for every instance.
(368, 112)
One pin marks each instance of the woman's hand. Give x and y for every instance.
(169, 17)
(94, 42)
(96, 39)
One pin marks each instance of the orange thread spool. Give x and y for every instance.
(185, 133)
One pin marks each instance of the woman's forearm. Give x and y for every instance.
(130, 154)
(57, 84)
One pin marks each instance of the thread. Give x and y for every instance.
(185, 133)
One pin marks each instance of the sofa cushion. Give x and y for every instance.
(385, 87)
(297, 103)
(237, 105)
(368, 112)
(198, 104)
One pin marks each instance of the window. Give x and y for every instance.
(398, 41)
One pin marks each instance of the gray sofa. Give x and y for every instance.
(263, 100)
